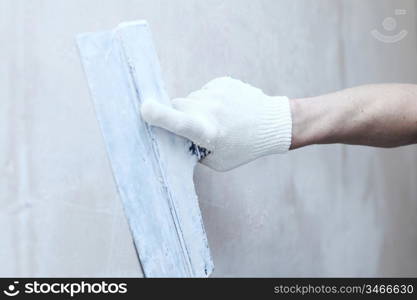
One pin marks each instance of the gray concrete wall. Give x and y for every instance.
(319, 211)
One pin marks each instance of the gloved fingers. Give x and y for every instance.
(201, 94)
(216, 163)
(182, 104)
(216, 89)
(211, 162)
(196, 129)
(220, 82)
(193, 107)
(226, 85)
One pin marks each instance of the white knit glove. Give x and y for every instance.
(235, 121)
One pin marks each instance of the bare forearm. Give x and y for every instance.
(383, 115)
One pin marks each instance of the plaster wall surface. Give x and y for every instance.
(319, 211)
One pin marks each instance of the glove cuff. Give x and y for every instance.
(275, 128)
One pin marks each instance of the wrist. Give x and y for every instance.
(311, 122)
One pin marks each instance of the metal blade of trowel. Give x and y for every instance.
(152, 168)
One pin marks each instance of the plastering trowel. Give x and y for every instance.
(152, 168)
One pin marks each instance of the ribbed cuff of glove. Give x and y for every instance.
(274, 131)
